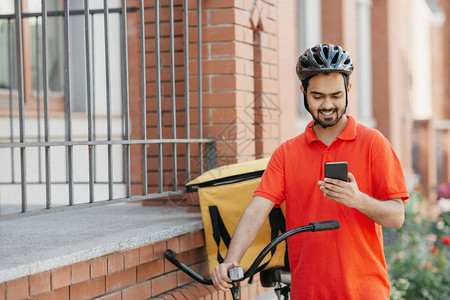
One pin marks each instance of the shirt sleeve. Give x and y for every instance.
(272, 185)
(388, 180)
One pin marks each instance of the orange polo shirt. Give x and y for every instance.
(347, 263)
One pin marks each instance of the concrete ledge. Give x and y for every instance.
(40, 243)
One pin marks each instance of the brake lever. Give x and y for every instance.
(236, 291)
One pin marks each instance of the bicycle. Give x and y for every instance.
(280, 276)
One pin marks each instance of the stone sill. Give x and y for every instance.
(37, 244)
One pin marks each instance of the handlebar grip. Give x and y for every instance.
(170, 256)
(325, 225)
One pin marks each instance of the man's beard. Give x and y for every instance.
(327, 123)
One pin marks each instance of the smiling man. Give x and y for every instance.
(348, 263)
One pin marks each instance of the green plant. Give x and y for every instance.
(418, 257)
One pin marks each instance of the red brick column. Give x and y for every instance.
(380, 65)
(391, 82)
(442, 68)
(228, 70)
(241, 69)
(266, 103)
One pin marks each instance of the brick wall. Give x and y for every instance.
(135, 274)
(380, 65)
(289, 85)
(228, 66)
(241, 86)
(241, 65)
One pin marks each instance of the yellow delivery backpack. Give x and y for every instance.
(224, 193)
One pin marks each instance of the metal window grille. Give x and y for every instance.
(162, 143)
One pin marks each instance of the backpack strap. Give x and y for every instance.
(277, 225)
(219, 231)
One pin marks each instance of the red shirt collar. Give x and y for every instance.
(348, 133)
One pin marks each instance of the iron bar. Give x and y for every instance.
(73, 12)
(20, 89)
(172, 89)
(67, 101)
(11, 116)
(89, 100)
(38, 98)
(199, 64)
(122, 97)
(64, 182)
(158, 95)
(104, 142)
(108, 100)
(143, 98)
(46, 105)
(94, 133)
(126, 96)
(186, 89)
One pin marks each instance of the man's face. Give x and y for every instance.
(326, 98)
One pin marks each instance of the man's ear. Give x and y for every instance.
(349, 87)
(302, 89)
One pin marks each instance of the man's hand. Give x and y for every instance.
(389, 213)
(346, 193)
(220, 277)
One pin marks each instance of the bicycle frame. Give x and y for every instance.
(235, 290)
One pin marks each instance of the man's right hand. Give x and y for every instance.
(220, 277)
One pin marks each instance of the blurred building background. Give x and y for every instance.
(219, 83)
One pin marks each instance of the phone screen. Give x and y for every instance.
(337, 170)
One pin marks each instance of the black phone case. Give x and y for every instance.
(337, 170)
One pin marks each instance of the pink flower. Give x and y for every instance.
(431, 237)
(443, 190)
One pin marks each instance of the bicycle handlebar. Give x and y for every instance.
(314, 227)
(325, 225)
(170, 256)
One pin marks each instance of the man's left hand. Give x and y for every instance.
(346, 193)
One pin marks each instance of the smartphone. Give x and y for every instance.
(337, 170)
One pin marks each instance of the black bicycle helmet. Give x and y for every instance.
(323, 58)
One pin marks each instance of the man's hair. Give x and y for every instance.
(305, 82)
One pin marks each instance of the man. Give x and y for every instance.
(348, 263)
